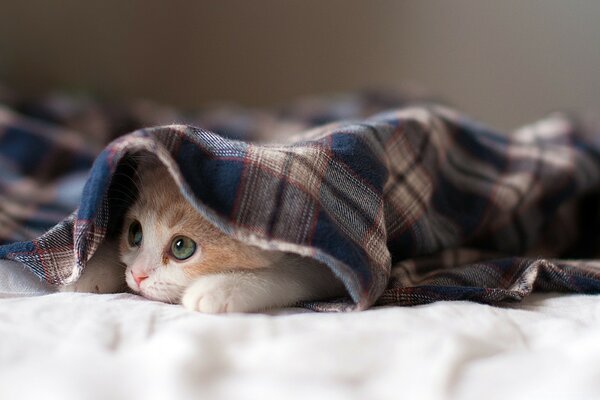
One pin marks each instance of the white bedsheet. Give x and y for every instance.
(84, 346)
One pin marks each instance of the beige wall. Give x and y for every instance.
(504, 62)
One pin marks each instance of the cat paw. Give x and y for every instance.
(103, 273)
(215, 294)
(94, 280)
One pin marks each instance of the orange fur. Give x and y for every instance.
(164, 214)
(222, 275)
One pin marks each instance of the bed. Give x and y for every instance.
(121, 346)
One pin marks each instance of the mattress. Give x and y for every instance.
(122, 346)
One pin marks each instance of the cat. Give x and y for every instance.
(171, 253)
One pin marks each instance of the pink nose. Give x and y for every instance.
(138, 278)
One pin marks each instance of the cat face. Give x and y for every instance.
(161, 258)
(166, 244)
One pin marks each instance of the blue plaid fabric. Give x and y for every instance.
(407, 206)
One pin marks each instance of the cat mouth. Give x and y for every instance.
(167, 293)
(155, 289)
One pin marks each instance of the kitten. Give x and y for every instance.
(175, 255)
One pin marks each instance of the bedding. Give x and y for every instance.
(408, 206)
(84, 346)
(122, 346)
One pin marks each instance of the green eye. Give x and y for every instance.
(182, 247)
(135, 234)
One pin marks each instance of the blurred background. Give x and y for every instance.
(506, 63)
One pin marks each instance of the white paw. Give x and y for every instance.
(102, 274)
(221, 293)
(94, 280)
(80, 287)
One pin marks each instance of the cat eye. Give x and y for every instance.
(135, 235)
(182, 247)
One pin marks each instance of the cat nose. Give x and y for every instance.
(138, 278)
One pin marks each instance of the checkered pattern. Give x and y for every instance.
(408, 206)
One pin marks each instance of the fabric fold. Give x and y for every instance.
(408, 206)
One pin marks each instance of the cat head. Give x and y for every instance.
(166, 244)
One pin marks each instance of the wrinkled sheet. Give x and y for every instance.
(84, 346)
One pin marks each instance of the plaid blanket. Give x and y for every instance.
(407, 206)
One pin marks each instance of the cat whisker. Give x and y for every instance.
(135, 182)
(164, 214)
